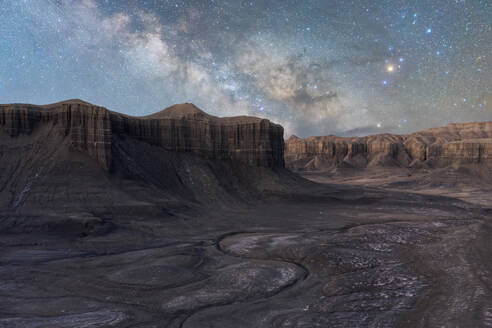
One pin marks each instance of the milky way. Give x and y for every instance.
(317, 67)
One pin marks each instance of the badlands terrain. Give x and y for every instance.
(182, 219)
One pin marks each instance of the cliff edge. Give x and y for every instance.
(75, 156)
(180, 128)
(455, 144)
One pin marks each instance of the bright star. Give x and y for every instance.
(429, 31)
(390, 68)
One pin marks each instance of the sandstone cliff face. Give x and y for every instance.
(467, 143)
(181, 128)
(185, 128)
(87, 127)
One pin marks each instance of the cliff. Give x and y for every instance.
(455, 144)
(74, 156)
(180, 128)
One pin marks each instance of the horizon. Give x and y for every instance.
(286, 136)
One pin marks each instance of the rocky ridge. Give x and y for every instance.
(74, 156)
(180, 128)
(454, 144)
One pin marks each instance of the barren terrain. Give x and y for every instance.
(332, 256)
(168, 239)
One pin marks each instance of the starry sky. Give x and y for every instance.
(318, 67)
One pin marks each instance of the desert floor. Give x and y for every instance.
(374, 251)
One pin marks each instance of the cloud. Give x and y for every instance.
(367, 130)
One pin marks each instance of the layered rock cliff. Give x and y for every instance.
(180, 128)
(455, 144)
(79, 158)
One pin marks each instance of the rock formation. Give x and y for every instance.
(77, 156)
(455, 144)
(180, 128)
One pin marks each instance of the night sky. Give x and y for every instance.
(317, 67)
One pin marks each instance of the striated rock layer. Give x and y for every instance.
(455, 144)
(180, 128)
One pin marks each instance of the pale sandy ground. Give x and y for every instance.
(477, 190)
